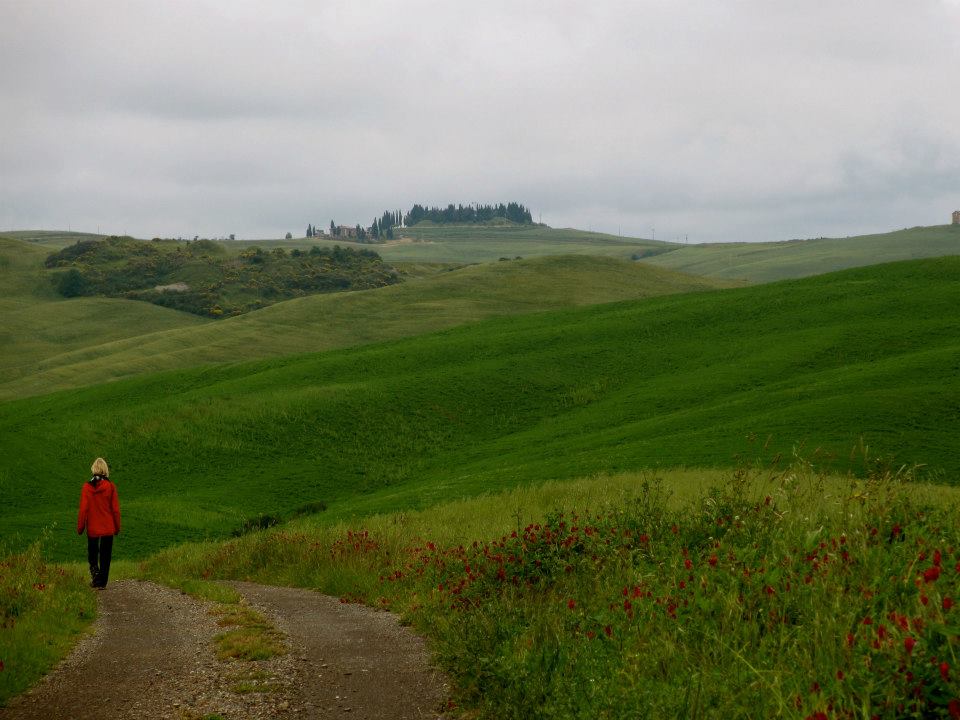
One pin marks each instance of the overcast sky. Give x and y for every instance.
(718, 120)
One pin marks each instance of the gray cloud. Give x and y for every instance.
(738, 120)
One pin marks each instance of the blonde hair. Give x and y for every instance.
(99, 467)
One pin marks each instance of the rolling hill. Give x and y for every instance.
(749, 262)
(486, 243)
(811, 367)
(57, 343)
(38, 325)
(764, 262)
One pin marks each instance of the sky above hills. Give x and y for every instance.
(713, 121)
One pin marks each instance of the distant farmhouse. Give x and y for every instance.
(956, 217)
(347, 231)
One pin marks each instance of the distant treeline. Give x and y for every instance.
(382, 227)
(514, 212)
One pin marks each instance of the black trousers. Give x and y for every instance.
(99, 551)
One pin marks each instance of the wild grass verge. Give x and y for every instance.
(787, 594)
(43, 608)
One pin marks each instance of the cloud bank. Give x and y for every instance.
(734, 120)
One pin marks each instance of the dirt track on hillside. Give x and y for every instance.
(151, 656)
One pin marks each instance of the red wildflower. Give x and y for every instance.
(908, 645)
(713, 561)
(608, 630)
(591, 634)
(674, 529)
(687, 564)
(953, 707)
(840, 675)
(1, 665)
(947, 603)
(571, 603)
(937, 558)
(769, 590)
(850, 639)
(945, 671)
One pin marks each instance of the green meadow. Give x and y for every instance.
(764, 262)
(698, 379)
(62, 343)
(426, 242)
(749, 262)
(600, 488)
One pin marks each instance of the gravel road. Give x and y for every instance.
(151, 656)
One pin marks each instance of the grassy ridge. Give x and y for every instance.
(62, 344)
(485, 243)
(681, 380)
(764, 262)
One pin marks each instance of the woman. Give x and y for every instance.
(100, 516)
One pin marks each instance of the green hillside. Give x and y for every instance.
(485, 243)
(764, 262)
(684, 380)
(39, 326)
(48, 239)
(60, 344)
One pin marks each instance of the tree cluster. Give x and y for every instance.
(466, 214)
(381, 228)
(201, 278)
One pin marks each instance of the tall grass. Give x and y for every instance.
(43, 608)
(782, 594)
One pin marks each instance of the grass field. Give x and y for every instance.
(49, 240)
(39, 327)
(677, 594)
(487, 243)
(412, 466)
(749, 262)
(670, 381)
(56, 343)
(764, 262)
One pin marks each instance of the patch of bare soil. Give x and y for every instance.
(151, 656)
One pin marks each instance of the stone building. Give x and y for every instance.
(956, 217)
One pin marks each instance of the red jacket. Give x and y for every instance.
(99, 509)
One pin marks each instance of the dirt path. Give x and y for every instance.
(355, 660)
(151, 656)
